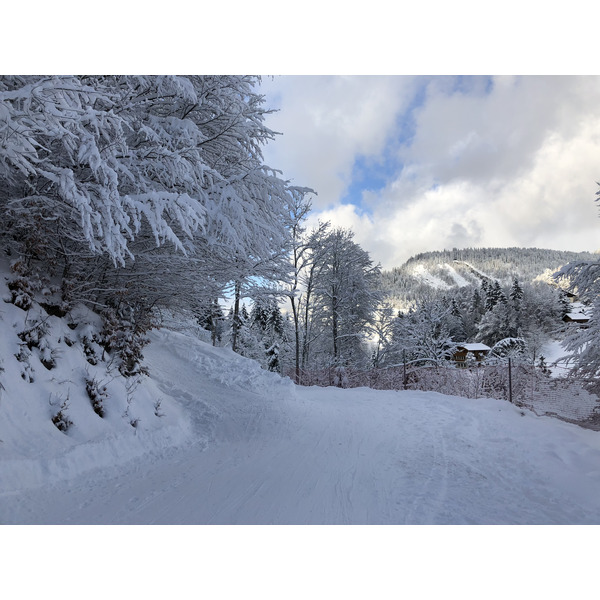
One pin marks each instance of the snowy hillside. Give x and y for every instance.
(442, 270)
(64, 406)
(239, 445)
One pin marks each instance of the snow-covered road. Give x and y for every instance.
(266, 452)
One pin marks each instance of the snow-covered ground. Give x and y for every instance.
(261, 451)
(421, 273)
(240, 445)
(555, 357)
(457, 277)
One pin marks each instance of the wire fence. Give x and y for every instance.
(557, 394)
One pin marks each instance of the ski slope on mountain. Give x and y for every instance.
(262, 451)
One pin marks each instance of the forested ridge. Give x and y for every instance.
(403, 284)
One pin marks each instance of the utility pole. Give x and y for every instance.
(510, 398)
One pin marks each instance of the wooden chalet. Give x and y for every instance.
(477, 351)
(579, 314)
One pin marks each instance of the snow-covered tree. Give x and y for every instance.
(300, 260)
(509, 348)
(121, 171)
(516, 292)
(383, 329)
(584, 279)
(495, 324)
(421, 336)
(345, 295)
(309, 262)
(210, 317)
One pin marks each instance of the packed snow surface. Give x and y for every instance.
(255, 449)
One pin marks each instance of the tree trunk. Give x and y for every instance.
(236, 317)
(297, 339)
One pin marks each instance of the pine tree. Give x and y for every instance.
(272, 354)
(516, 293)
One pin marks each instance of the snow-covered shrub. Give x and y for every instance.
(37, 337)
(130, 387)
(97, 393)
(34, 335)
(60, 418)
(340, 377)
(124, 333)
(48, 355)
(21, 292)
(509, 348)
(89, 350)
(23, 285)
(130, 351)
(157, 408)
(23, 356)
(495, 381)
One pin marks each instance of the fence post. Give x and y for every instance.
(510, 398)
(404, 375)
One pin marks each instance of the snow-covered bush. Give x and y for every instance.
(34, 335)
(124, 334)
(22, 285)
(61, 418)
(98, 394)
(89, 350)
(509, 348)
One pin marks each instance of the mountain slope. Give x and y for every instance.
(442, 270)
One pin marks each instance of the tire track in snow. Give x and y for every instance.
(426, 505)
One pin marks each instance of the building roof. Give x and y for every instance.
(577, 317)
(474, 347)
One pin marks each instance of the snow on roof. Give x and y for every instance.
(577, 317)
(474, 347)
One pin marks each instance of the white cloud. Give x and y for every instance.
(513, 163)
(327, 123)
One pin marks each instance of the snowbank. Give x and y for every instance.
(47, 374)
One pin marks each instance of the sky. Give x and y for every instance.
(415, 163)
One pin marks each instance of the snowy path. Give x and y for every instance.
(266, 452)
